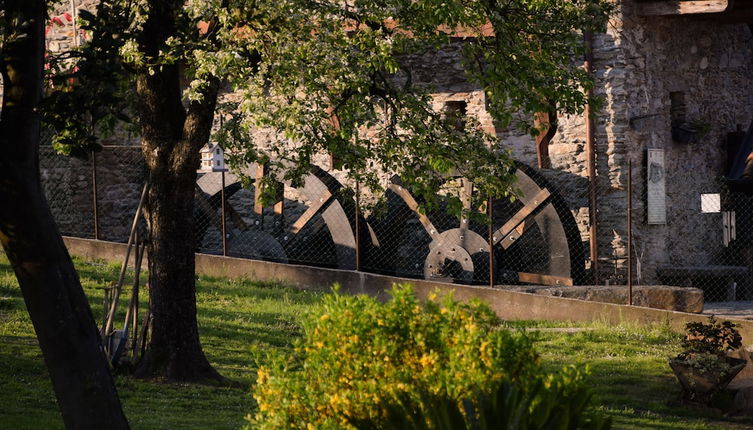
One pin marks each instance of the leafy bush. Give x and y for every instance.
(556, 402)
(713, 338)
(404, 364)
(705, 345)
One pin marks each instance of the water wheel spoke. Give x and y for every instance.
(203, 204)
(467, 198)
(304, 219)
(235, 217)
(517, 233)
(521, 221)
(413, 206)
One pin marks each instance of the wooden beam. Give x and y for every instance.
(413, 206)
(520, 216)
(279, 208)
(258, 207)
(315, 207)
(517, 232)
(261, 172)
(682, 7)
(546, 123)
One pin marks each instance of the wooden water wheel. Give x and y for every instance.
(534, 239)
(313, 224)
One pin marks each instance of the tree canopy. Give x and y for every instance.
(316, 74)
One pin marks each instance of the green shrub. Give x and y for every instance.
(714, 338)
(557, 402)
(366, 364)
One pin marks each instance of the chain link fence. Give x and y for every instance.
(677, 236)
(120, 174)
(68, 186)
(683, 236)
(320, 224)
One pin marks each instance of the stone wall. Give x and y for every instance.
(638, 63)
(121, 174)
(68, 184)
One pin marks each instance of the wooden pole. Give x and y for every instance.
(222, 212)
(630, 233)
(135, 322)
(591, 168)
(258, 207)
(141, 343)
(94, 195)
(74, 16)
(358, 226)
(133, 309)
(490, 212)
(116, 293)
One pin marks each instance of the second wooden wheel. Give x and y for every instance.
(534, 239)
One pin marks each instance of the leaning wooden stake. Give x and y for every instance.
(135, 322)
(131, 318)
(144, 330)
(122, 345)
(107, 328)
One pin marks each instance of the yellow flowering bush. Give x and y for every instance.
(359, 358)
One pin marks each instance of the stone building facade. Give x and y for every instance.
(656, 63)
(648, 68)
(643, 65)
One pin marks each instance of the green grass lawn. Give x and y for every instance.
(629, 374)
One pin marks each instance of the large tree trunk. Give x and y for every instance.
(174, 351)
(172, 136)
(61, 315)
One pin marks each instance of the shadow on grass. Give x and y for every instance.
(8, 284)
(25, 392)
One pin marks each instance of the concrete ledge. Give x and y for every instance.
(509, 305)
(650, 296)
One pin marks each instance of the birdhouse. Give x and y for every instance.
(212, 158)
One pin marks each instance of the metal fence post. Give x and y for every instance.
(94, 195)
(358, 226)
(630, 233)
(222, 214)
(490, 212)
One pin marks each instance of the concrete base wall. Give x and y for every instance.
(509, 305)
(683, 299)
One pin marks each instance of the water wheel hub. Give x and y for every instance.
(452, 254)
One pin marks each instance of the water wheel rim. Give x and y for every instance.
(325, 195)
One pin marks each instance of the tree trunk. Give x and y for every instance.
(174, 350)
(172, 136)
(58, 308)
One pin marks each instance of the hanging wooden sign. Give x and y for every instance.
(656, 205)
